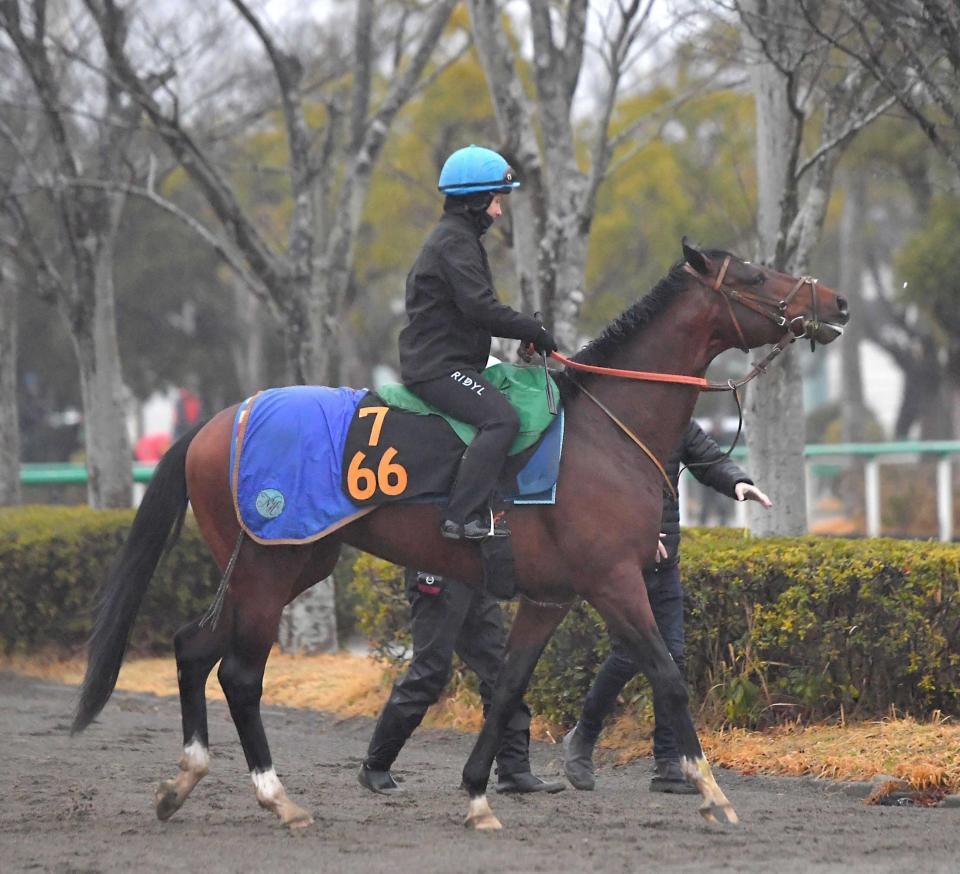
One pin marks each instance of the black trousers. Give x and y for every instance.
(666, 600)
(457, 619)
(466, 395)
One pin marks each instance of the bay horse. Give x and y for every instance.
(592, 543)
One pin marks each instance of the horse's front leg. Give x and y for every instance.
(531, 630)
(623, 603)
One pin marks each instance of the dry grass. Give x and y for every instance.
(925, 755)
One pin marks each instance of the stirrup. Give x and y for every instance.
(478, 528)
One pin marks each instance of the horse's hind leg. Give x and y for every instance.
(267, 580)
(198, 649)
(529, 634)
(623, 603)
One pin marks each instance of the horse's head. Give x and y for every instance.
(764, 304)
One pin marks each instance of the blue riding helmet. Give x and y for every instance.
(476, 169)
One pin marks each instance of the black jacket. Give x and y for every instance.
(452, 308)
(695, 447)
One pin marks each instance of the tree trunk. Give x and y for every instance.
(853, 411)
(9, 418)
(852, 268)
(309, 624)
(249, 354)
(774, 412)
(109, 457)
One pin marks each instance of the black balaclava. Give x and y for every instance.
(474, 206)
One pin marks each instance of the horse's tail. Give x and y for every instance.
(155, 529)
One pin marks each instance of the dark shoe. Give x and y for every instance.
(381, 782)
(524, 782)
(477, 527)
(451, 530)
(669, 779)
(578, 760)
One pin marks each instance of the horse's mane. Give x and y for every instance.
(639, 314)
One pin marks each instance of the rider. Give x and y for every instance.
(453, 312)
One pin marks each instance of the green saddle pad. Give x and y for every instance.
(525, 388)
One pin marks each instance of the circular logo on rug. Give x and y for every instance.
(270, 503)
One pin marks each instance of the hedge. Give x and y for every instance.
(53, 561)
(778, 628)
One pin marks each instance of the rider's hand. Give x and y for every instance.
(526, 351)
(748, 492)
(544, 342)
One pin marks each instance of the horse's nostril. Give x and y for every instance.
(843, 307)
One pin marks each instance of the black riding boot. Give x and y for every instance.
(466, 395)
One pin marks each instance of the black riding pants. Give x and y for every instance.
(666, 600)
(455, 619)
(466, 395)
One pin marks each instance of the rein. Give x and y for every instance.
(626, 430)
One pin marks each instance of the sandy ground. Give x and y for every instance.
(85, 804)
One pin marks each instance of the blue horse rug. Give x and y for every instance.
(307, 460)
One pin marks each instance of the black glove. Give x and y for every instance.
(544, 342)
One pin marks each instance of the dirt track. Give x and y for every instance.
(85, 804)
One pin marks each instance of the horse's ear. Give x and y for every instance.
(694, 257)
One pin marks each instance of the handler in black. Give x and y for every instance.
(453, 312)
(706, 461)
(447, 617)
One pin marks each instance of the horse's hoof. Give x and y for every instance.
(297, 818)
(301, 821)
(480, 816)
(711, 810)
(168, 800)
(483, 822)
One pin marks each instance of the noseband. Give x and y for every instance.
(776, 311)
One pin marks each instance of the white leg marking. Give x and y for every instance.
(196, 757)
(480, 816)
(698, 771)
(272, 795)
(194, 764)
(268, 785)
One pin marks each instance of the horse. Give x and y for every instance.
(591, 544)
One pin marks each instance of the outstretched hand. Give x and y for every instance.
(748, 492)
(661, 549)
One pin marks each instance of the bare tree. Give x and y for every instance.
(792, 80)
(328, 173)
(11, 169)
(912, 49)
(9, 418)
(910, 340)
(328, 170)
(554, 209)
(853, 270)
(75, 264)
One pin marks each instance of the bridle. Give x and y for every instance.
(775, 311)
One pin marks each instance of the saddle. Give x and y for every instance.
(307, 460)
